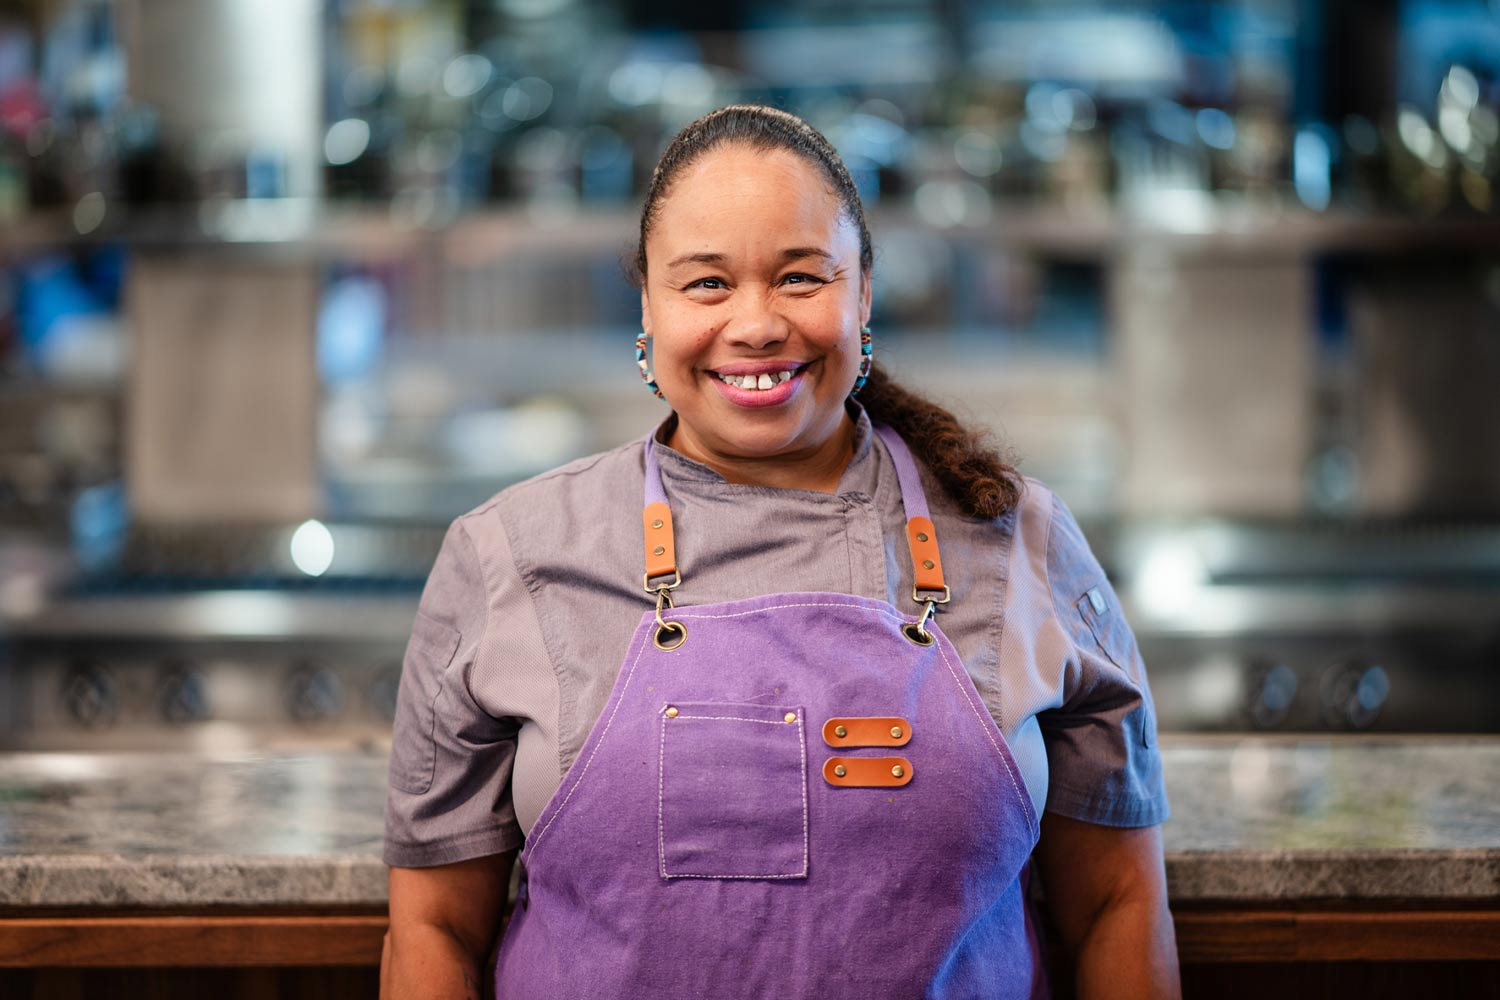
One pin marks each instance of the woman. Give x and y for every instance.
(814, 755)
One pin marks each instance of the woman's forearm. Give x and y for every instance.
(1129, 953)
(424, 962)
(444, 922)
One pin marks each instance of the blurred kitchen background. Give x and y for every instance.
(285, 285)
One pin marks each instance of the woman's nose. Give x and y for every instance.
(756, 324)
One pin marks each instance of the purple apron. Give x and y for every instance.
(795, 795)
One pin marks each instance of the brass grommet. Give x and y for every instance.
(662, 637)
(840, 770)
(896, 732)
(897, 771)
(656, 523)
(926, 563)
(662, 548)
(917, 634)
(671, 711)
(921, 536)
(840, 732)
(790, 716)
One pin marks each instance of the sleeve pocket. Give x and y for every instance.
(1101, 612)
(413, 746)
(1107, 624)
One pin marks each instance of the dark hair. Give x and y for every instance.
(970, 470)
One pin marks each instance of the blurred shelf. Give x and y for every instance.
(22, 390)
(319, 229)
(215, 615)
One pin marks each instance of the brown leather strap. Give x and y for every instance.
(661, 553)
(927, 566)
(867, 772)
(867, 732)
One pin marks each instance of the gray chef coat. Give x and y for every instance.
(535, 595)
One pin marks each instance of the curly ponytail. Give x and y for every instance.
(971, 472)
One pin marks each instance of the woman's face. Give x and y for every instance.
(753, 273)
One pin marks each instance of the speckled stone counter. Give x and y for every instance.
(189, 829)
(1253, 819)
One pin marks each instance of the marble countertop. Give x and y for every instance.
(1254, 819)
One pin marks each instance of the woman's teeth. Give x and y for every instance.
(756, 381)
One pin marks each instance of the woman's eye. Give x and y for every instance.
(802, 279)
(712, 284)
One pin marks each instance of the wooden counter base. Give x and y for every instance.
(199, 940)
(353, 937)
(1336, 950)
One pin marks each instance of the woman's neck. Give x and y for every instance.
(818, 468)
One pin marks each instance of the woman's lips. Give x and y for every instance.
(756, 398)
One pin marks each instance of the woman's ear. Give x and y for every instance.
(645, 312)
(866, 287)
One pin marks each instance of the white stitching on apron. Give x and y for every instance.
(735, 718)
(1025, 800)
(532, 848)
(896, 616)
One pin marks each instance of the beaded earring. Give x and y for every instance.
(866, 359)
(640, 362)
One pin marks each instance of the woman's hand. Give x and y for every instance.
(1107, 892)
(444, 921)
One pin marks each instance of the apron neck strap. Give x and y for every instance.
(921, 535)
(661, 550)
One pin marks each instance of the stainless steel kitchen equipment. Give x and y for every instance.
(1318, 626)
(220, 637)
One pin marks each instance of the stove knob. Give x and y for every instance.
(183, 696)
(90, 695)
(1352, 694)
(1273, 688)
(313, 694)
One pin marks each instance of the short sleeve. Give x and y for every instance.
(448, 795)
(1104, 763)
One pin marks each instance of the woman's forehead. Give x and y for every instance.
(738, 189)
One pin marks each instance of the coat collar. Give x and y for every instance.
(859, 476)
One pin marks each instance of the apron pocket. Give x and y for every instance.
(733, 791)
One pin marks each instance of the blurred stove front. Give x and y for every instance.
(211, 671)
(220, 637)
(1325, 626)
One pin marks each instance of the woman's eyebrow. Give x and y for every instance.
(789, 254)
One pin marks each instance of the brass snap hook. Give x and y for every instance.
(662, 638)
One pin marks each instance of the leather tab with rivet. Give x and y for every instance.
(927, 566)
(878, 731)
(661, 553)
(867, 772)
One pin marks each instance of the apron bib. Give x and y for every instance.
(795, 795)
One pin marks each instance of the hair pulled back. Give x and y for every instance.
(967, 466)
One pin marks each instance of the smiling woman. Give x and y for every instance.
(749, 172)
(824, 722)
(760, 276)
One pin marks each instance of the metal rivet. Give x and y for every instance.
(927, 564)
(840, 732)
(790, 716)
(671, 712)
(921, 536)
(896, 732)
(660, 549)
(656, 523)
(839, 770)
(898, 771)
